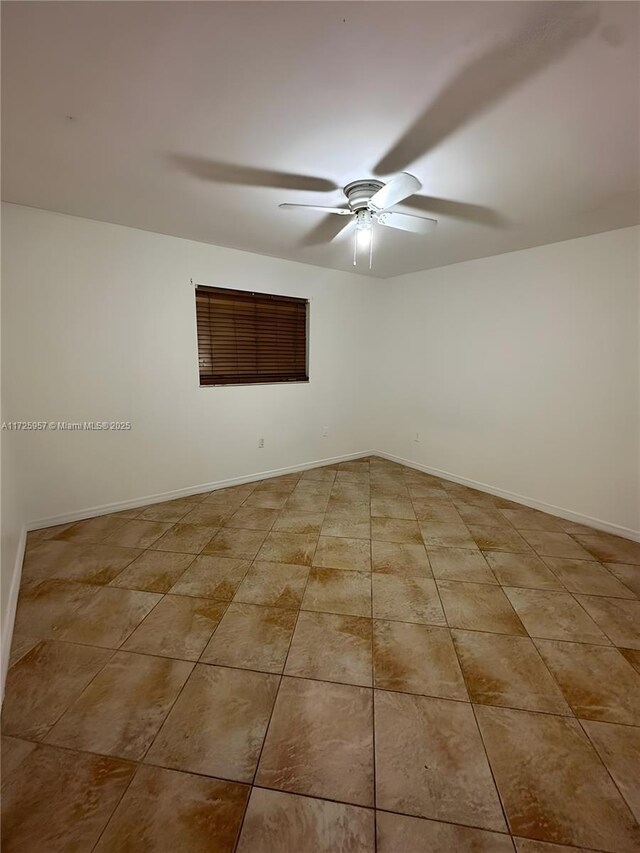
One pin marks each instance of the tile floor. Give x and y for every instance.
(355, 658)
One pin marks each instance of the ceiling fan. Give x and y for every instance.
(547, 34)
(369, 202)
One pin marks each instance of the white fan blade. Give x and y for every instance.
(344, 231)
(343, 211)
(407, 222)
(399, 187)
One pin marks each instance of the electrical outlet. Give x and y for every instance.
(417, 437)
(325, 431)
(261, 442)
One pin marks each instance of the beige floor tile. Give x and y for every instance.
(120, 712)
(530, 519)
(478, 607)
(275, 584)
(438, 534)
(304, 502)
(137, 533)
(167, 511)
(250, 636)
(241, 544)
(285, 483)
(554, 616)
(589, 578)
(331, 647)
(360, 510)
(212, 577)
(20, 645)
(428, 492)
(460, 564)
(392, 508)
(180, 626)
(338, 591)
(14, 752)
(414, 658)
(90, 530)
(218, 724)
(430, 761)
(633, 656)
(276, 821)
(351, 492)
(42, 685)
(320, 742)
(552, 783)
(281, 547)
(297, 521)
(338, 553)
(400, 558)
(507, 671)
(524, 570)
(413, 599)
(527, 845)
(212, 516)
(627, 574)
(185, 538)
(395, 530)
(619, 749)
(610, 549)
(36, 536)
(427, 511)
(349, 528)
(618, 618)
(167, 810)
(313, 487)
(74, 561)
(326, 473)
(597, 680)
(154, 571)
(227, 500)
(484, 516)
(44, 609)
(108, 617)
(549, 544)
(267, 499)
(402, 834)
(489, 538)
(59, 800)
(253, 518)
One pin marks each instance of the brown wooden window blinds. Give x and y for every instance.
(249, 338)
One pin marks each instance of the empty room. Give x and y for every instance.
(320, 427)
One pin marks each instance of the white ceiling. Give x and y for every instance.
(141, 114)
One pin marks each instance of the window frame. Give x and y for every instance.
(252, 379)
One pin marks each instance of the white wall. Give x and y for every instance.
(100, 325)
(520, 372)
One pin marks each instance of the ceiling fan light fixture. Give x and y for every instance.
(364, 235)
(369, 201)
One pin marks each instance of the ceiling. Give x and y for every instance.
(521, 120)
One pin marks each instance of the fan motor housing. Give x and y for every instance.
(358, 193)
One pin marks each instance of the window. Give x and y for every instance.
(249, 338)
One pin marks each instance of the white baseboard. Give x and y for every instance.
(567, 514)
(118, 506)
(12, 604)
